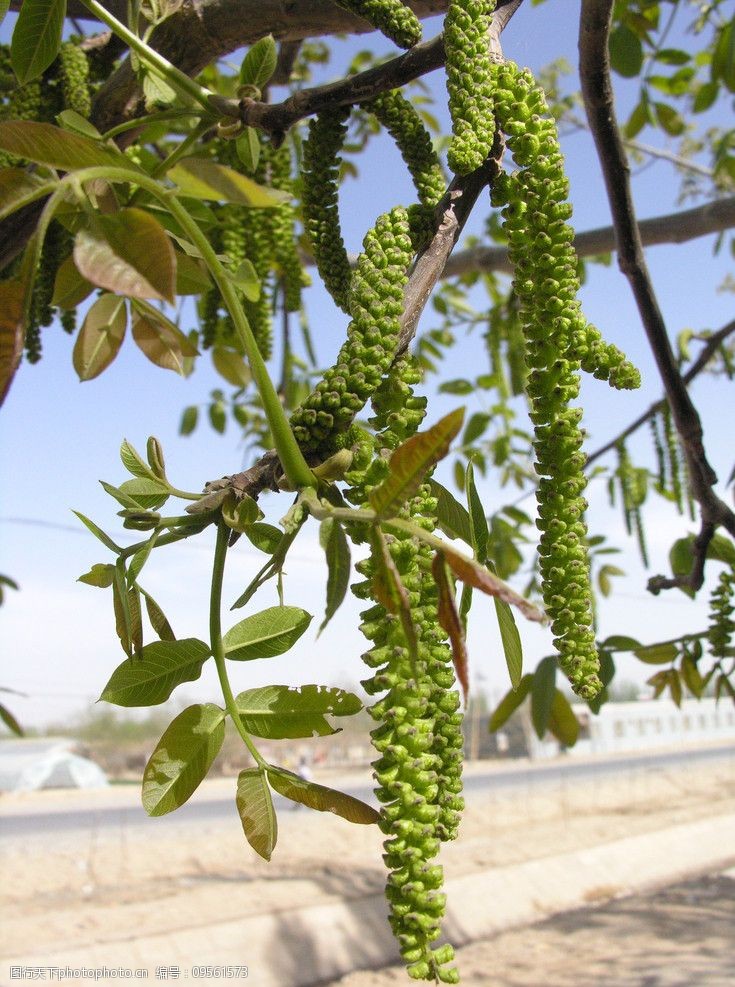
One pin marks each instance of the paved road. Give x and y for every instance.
(211, 810)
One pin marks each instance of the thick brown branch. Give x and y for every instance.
(599, 105)
(714, 342)
(678, 227)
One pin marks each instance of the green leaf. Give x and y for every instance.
(116, 253)
(150, 678)
(279, 712)
(478, 519)
(100, 338)
(691, 675)
(721, 549)
(640, 116)
(191, 276)
(182, 758)
(626, 51)
(10, 721)
(189, 420)
(562, 721)
(57, 148)
(218, 416)
(260, 63)
(37, 37)
(512, 646)
(657, 654)
(163, 343)
(140, 558)
(670, 120)
(246, 279)
(255, 806)
(70, 288)
(157, 91)
(266, 634)
(705, 97)
(265, 537)
(77, 124)
(101, 575)
(475, 427)
(334, 542)
(204, 179)
(510, 703)
(543, 691)
(240, 514)
(619, 642)
(247, 146)
(453, 518)
(147, 492)
(681, 559)
(19, 187)
(231, 366)
(451, 622)
(723, 57)
(411, 461)
(121, 606)
(98, 533)
(134, 462)
(157, 617)
(320, 797)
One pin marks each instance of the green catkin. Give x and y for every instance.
(400, 119)
(419, 738)
(721, 606)
(320, 201)
(57, 246)
(391, 17)
(558, 344)
(73, 69)
(658, 447)
(376, 305)
(284, 243)
(469, 83)
(671, 445)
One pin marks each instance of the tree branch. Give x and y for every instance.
(599, 104)
(678, 227)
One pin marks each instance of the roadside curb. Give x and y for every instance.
(298, 947)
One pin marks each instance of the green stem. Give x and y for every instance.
(140, 122)
(215, 633)
(292, 459)
(181, 149)
(173, 76)
(170, 539)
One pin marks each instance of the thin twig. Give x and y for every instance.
(599, 104)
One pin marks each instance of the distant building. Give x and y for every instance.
(46, 762)
(645, 725)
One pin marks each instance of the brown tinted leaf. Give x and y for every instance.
(127, 252)
(70, 288)
(410, 463)
(390, 591)
(100, 337)
(319, 797)
(449, 619)
(476, 575)
(161, 341)
(11, 332)
(204, 179)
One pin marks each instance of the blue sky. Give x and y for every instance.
(58, 437)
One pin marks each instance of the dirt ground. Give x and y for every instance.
(109, 884)
(682, 936)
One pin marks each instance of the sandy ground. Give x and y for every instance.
(682, 936)
(112, 884)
